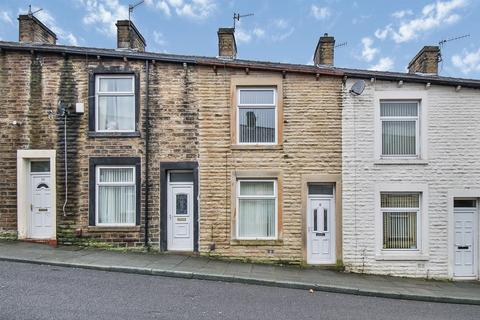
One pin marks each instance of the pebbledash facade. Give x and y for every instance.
(239, 159)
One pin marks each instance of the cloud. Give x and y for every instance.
(5, 17)
(368, 52)
(433, 15)
(258, 32)
(159, 38)
(103, 14)
(467, 61)
(195, 9)
(275, 30)
(320, 13)
(46, 18)
(384, 64)
(402, 13)
(242, 35)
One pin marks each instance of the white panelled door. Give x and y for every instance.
(320, 231)
(464, 242)
(40, 222)
(180, 217)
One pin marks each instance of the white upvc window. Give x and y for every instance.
(400, 129)
(115, 196)
(115, 103)
(257, 115)
(256, 209)
(401, 220)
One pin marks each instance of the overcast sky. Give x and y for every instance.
(380, 34)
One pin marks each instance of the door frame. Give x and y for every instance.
(165, 167)
(170, 189)
(466, 194)
(333, 231)
(24, 157)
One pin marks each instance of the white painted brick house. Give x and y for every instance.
(411, 176)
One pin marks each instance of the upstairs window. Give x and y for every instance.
(400, 128)
(115, 103)
(257, 115)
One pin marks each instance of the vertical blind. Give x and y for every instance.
(399, 127)
(256, 116)
(400, 215)
(116, 196)
(256, 210)
(116, 104)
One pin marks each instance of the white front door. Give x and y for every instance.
(321, 231)
(40, 221)
(180, 217)
(464, 242)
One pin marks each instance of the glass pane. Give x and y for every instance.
(326, 189)
(325, 219)
(400, 200)
(257, 125)
(256, 188)
(252, 97)
(116, 204)
(315, 219)
(181, 176)
(398, 109)
(256, 218)
(116, 113)
(116, 175)
(40, 166)
(116, 85)
(181, 203)
(465, 203)
(399, 230)
(398, 137)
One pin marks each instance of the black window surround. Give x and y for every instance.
(113, 161)
(91, 101)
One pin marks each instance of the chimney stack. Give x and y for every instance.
(227, 47)
(30, 29)
(324, 51)
(128, 36)
(426, 61)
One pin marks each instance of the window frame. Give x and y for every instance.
(98, 94)
(401, 118)
(238, 106)
(418, 213)
(97, 187)
(238, 196)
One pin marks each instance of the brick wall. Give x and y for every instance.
(452, 134)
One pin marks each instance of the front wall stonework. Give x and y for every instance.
(453, 124)
(311, 145)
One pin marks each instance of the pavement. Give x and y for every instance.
(42, 292)
(203, 268)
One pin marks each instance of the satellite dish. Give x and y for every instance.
(358, 87)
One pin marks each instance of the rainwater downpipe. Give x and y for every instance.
(64, 114)
(147, 137)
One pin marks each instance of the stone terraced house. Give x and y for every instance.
(271, 162)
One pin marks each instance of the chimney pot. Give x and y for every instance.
(227, 47)
(128, 36)
(425, 61)
(324, 53)
(30, 29)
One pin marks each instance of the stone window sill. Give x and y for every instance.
(94, 134)
(278, 242)
(401, 257)
(113, 229)
(401, 162)
(256, 147)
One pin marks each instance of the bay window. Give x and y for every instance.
(256, 209)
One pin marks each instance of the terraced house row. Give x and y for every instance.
(376, 172)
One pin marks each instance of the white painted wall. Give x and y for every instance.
(451, 163)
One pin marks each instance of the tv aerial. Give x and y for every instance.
(30, 13)
(133, 6)
(237, 16)
(442, 43)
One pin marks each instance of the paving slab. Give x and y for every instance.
(196, 267)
